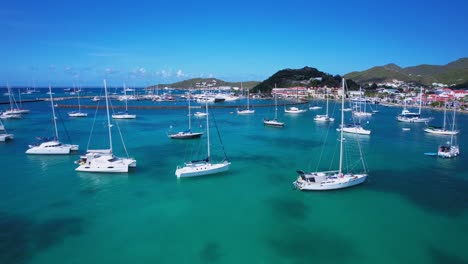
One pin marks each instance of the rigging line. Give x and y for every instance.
(322, 149)
(333, 157)
(120, 132)
(64, 127)
(219, 136)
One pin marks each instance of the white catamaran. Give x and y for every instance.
(103, 160)
(52, 146)
(451, 149)
(331, 180)
(5, 135)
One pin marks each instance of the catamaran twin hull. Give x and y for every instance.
(104, 165)
(52, 148)
(5, 137)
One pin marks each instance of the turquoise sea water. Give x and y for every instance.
(412, 209)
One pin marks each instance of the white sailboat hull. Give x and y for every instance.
(413, 119)
(448, 151)
(77, 114)
(186, 135)
(17, 112)
(355, 130)
(123, 116)
(245, 111)
(273, 123)
(10, 116)
(338, 182)
(361, 114)
(5, 137)
(201, 169)
(51, 148)
(438, 131)
(99, 162)
(294, 110)
(324, 118)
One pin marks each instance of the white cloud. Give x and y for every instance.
(164, 73)
(180, 74)
(111, 71)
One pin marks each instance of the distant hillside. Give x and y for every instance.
(191, 83)
(453, 73)
(306, 76)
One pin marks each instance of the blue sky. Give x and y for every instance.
(147, 42)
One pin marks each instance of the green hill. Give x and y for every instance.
(191, 83)
(453, 73)
(306, 76)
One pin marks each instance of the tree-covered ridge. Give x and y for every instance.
(452, 73)
(307, 76)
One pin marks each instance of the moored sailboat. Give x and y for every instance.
(409, 117)
(124, 115)
(331, 180)
(443, 130)
(325, 117)
(247, 110)
(274, 122)
(5, 135)
(103, 160)
(451, 149)
(78, 113)
(187, 134)
(204, 166)
(52, 146)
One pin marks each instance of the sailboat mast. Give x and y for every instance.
(189, 113)
(108, 118)
(79, 104)
(420, 100)
(208, 131)
(53, 113)
(453, 124)
(19, 97)
(445, 113)
(326, 95)
(341, 133)
(248, 98)
(9, 96)
(125, 96)
(276, 107)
